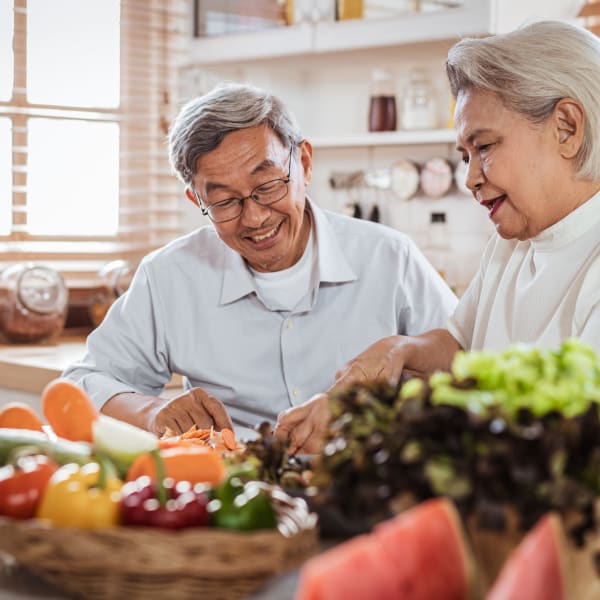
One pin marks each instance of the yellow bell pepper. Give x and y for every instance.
(81, 497)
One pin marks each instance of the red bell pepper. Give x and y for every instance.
(22, 484)
(163, 503)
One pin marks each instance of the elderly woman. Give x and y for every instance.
(527, 120)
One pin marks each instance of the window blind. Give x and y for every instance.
(152, 38)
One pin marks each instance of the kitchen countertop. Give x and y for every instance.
(29, 367)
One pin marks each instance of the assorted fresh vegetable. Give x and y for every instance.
(471, 436)
(72, 476)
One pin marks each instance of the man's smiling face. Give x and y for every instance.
(269, 238)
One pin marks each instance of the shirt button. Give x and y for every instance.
(288, 324)
(296, 392)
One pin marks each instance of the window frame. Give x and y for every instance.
(152, 40)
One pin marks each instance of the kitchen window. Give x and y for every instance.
(84, 111)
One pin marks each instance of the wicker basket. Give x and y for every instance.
(133, 562)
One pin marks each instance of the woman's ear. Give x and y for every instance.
(192, 197)
(569, 121)
(306, 152)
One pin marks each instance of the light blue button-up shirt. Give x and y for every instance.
(193, 309)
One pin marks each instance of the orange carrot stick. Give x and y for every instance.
(19, 415)
(193, 463)
(69, 410)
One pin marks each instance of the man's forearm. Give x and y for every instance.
(132, 408)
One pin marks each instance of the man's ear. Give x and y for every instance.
(192, 197)
(569, 120)
(306, 152)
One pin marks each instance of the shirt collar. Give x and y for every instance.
(571, 227)
(333, 266)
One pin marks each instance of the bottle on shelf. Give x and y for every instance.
(438, 243)
(382, 106)
(349, 9)
(419, 110)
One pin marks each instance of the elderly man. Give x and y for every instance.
(259, 309)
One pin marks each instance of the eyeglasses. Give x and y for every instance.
(265, 194)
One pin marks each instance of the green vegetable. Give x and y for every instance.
(242, 506)
(566, 380)
(61, 451)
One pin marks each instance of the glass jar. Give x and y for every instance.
(419, 110)
(33, 303)
(114, 278)
(382, 105)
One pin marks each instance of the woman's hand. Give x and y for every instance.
(382, 361)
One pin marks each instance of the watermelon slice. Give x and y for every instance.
(426, 549)
(351, 571)
(535, 570)
(419, 555)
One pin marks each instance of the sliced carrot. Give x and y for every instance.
(228, 438)
(19, 415)
(189, 443)
(69, 410)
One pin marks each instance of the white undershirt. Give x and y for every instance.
(282, 290)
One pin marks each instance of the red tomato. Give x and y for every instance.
(22, 485)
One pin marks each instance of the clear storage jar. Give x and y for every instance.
(419, 109)
(33, 303)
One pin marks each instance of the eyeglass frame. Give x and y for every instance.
(286, 180)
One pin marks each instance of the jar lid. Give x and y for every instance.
(436, 177)
(42, 290)
(405, 179)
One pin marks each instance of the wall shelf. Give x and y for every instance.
(384, 138)
(474, 17)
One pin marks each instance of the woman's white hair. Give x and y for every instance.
(530, 70)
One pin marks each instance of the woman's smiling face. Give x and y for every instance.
(269, 238)
(515, 170)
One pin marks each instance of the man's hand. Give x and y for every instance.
(155, 414)
(305, 425)
(382, 361)
(195, 406)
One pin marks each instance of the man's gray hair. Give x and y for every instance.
(531, 69)
(203, 122)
